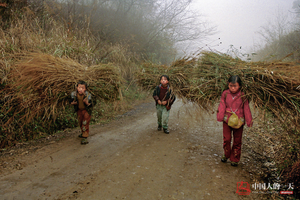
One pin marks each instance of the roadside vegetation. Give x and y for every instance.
(47, 46)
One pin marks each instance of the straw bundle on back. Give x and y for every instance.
(40, 85)
(149, 76)
(272, 86)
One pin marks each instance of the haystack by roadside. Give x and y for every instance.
(39, 86)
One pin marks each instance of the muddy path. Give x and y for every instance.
(129, 159)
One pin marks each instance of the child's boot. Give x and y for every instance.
(235, 164)
(224, 159)
(159, 127)
(166, 131)
(84, 141)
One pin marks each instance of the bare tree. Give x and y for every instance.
(273, 44)
(152, 28)
(176, 19)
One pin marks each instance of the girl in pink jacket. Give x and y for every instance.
(232, 101)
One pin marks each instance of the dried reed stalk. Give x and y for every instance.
(271, 86)
(40, 85)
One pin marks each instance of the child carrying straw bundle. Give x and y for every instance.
(82, 101)
(233, 111)
(164, 99)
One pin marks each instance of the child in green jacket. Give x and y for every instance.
(164, 99)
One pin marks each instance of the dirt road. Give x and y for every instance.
(129, 159)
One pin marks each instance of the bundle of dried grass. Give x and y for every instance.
(150, 74)
(40, 85)
(148, 77)
(271, 86)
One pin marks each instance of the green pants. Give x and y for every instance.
(162, 116)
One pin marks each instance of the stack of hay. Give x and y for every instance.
(40, 85)
(271, 86)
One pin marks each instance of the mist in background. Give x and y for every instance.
(239, 23)
(160, 31)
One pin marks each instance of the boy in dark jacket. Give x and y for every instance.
(164, 99)
(82, 101)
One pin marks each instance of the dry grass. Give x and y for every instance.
(47, 35)
(274, 88)
(40, 85)
(270, 86)
(30, 100)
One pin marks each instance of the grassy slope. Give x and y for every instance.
(25, 36)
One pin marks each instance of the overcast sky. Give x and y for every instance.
(239, 20)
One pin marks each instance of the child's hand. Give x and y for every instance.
(159, 102)
(164, 102)
(86, 101)
(74, 103)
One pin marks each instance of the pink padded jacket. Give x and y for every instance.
(234, 103)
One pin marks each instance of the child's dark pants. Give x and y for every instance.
(84, 121)
(233, 153)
